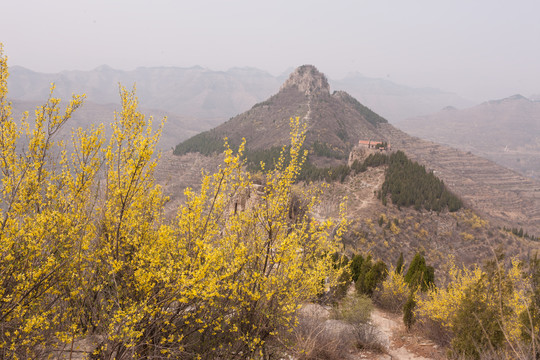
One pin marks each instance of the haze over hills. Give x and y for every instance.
(176, 127)
(339, 121)
(195, 92)
(506, 131)
(397, 102)
(215, 96)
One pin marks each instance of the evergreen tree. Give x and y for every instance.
(356, 266)
(419, 275)
(400, 263)
(408, 312)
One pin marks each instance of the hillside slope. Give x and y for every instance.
(335, 121)
(505, 196)
(505, 131)
(338, 121)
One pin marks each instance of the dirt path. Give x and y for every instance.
(398, 343)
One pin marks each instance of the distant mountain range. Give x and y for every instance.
(506, 131)
(190, 92)
(215, 96)
(177, 128)
(397, 102)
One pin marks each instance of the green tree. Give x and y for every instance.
(419, 275)
(408, 312)
(370, 276)
(400, 263)
(356, 266)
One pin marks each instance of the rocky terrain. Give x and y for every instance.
(338, 120)
(468, 235)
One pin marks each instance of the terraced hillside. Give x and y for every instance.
(506, 131)
(505, 196)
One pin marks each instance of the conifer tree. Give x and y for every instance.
(400, 263)
(419, 275)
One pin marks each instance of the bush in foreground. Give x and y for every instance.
(479, 310)
(85, 252)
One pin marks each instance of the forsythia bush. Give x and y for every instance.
(441, 304)
(393, 292)
(480, 308)
(86, 255)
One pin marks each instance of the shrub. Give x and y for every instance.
(400, 263)
(370, 276)
(408, 312)
(356, 266)
(530, 318)
(393, 292)
(356, 311)
(312, 339)
(86, 250)
(476, 324)
(479, 307)
(339, 291)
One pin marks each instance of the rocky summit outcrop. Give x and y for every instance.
(308, 80)
(335, 122)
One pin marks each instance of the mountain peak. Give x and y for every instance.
(516, 97)
(308, 80)
(104, 68)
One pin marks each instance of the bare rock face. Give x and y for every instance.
(308, 80)
(359, 153)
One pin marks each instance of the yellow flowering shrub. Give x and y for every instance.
(85, 251)
(393, 293)
(480, 308)
(394, 229)
(44, 224)
(469, 217)
(467, 237)
(441, 304)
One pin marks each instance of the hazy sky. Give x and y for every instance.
(479, 49)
